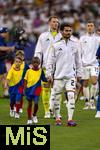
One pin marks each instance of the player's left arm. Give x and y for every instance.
(78, 61)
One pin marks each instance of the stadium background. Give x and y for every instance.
(35, 13)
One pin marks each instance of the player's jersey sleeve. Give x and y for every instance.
(50, 62)
(38, 49)
(78, 61)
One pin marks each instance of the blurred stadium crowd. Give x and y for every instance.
(33, 14)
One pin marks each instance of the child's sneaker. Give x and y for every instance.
(11, 113)
(14, 109)
(71, 123)
(29, 122)
(21, 110)
(35, 120)
(58, 121)
(17, 116)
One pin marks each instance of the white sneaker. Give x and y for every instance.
(29, 122)
(87, 106)
(47, 115)
(17, 116)
(82, 98)
(21, 110)
(92, 105)
(6, 92)
(35, 120)
(14, 109)
(12, 113)
(97, 114)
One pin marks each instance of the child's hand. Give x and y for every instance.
(50, 79)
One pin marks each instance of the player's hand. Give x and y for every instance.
(50, 79)
(79, 79)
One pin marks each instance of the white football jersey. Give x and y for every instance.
(63, 56)
(44, 43)
(89, 46)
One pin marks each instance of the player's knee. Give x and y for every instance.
(30, 104)
(71, 97)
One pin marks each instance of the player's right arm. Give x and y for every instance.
(50, 65)
(38, 49)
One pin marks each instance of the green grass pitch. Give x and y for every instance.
(85, 136)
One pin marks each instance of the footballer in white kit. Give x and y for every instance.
(89, 45)
(64, 74)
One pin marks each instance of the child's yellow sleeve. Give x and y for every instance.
(9, 75)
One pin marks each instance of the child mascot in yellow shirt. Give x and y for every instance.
(16, 85)
(33, 79)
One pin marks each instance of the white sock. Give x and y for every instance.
(86, 93)
(93, 91)
(52, 98)
(57, 105)
(71, 105)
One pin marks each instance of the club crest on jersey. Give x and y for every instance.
(60, 49)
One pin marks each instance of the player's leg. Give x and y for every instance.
(21, 104)
(35, 110)
(21, 91)
(86, 93)
(86, 76)
(18, 99)
(93, 90)
(70, 88)
(51, 107)
(12, 103)
(52, 98)
(29, 110)
(58, 87)
(45, 98)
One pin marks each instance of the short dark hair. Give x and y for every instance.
(51, 17)
(35, 59)
(19, 57)
(90, 21)
(65, 25)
